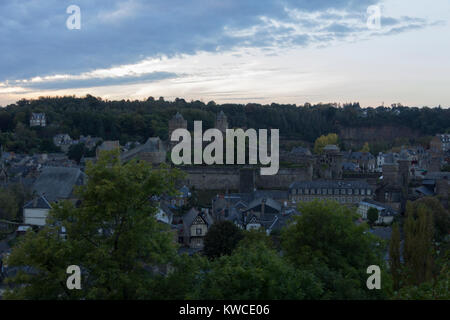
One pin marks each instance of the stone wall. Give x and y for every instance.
(236, 178)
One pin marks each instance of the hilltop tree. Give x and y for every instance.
(112, 236)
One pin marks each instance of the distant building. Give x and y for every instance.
(176, 122)
(365, 160)
(440, 143)
(38, 120)
(329, 163)
(345, 192)
(57, 183)
(195, 227)
(221, 122)
(63, 141)
(107, 146)
(152, 151)
(36, 211)
(386, 214)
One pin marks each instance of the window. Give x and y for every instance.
(198, 231)
(363, 191)
(357, 191)
(369, 192)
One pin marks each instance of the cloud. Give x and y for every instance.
(36, 43)
(67, 82)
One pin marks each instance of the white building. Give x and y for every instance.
(38, 120)
(36, 211)
(385, 213)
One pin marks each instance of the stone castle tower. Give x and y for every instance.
(222, 122)
(176, 122)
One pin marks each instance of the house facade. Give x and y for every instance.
(36, 211)
(386, 214)
(38, 120)
(345, 192)
(195, 227)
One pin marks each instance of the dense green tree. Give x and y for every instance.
(221, 239)
(326, 240)
(256, 272)
(419, 231)
(112, 235)
(325, 140)
(366, 147)
(76, 152)
(9, 206)
(372, 216)
(394, 256)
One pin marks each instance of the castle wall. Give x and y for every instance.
(231, 177)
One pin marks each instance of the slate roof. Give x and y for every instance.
(57, 183)
(358, 155)
(153, 144)
(424, 190)
(331, 147)
(39, 202)
(301, 151)
(109, 145)
(388, 209)
(268, 202)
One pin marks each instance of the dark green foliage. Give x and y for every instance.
(136, 120)
(221, 239)
(256, 272)
(325, 240)
(113, 236)
(372, 216)
(76, 152)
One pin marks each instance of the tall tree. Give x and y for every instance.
(221, 239)
(326, 240)
(256, 272)
(372, 215)
(112, 236)
(325, 140)
(419, 231)
(394, 256)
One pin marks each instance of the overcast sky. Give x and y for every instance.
(228, 51)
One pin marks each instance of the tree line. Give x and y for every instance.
(136, 120)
